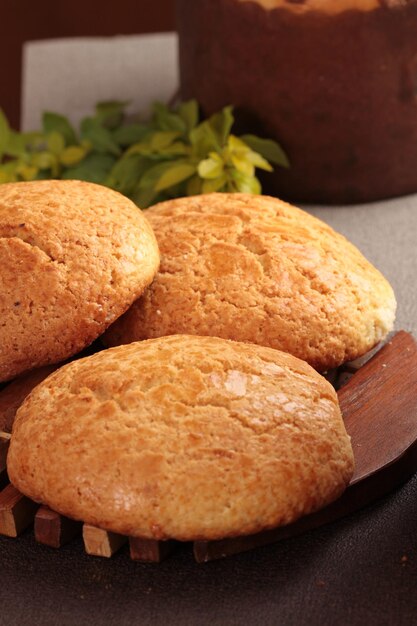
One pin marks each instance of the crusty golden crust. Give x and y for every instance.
(256, 269)
(182, 437)
(73, 257)
(327, 7)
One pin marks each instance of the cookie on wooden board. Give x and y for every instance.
(73, 257)
(253, 268)
(182, 437)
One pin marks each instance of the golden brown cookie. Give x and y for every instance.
(73, 257)
(182, 437)
(253, 268)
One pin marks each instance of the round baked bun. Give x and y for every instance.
(253, 268)
(182, 437)
(73, 258)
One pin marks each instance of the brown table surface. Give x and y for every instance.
(359, 570)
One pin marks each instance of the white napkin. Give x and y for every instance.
(69, 76)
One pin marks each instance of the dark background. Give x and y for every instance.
(24, 20)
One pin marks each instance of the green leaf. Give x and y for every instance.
(144, 197)
(34, 140)
(52, 122)
(204, 140)
(177, 173)
(10, 166)
(217, 184)
(244, 159)
(168, 156)
(151, 177)
(4, 133)
(55, 168)
(142, 148)
(258, 161)
(86, 143)
(55, 142)
(194, 186)
(27, 172)
(242, 164)
(188, 112)
(126, 173)
(268, 148)
(94, 168)
(246, 184)
(17, 145)
(237, 145)
(43, 160)
(8, 172)
(5, 177)
(164, 119)
(130, 134)
(110, 113)
(161, 140)
(101, 138)
(175, 149)
(212, 167)
(72, 155)
(222, 124)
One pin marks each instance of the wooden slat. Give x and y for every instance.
(15, 392)
(379, 406)
(98, 542)
(12, 396)
(150, 551)
(4, 446)
(4, 480)
(53, 529)
(16, 512)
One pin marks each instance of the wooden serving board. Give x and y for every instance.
(379, 406)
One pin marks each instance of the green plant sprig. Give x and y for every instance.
(173, 154)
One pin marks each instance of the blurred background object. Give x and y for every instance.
(338, 89)
(25, 20)
(70, 75)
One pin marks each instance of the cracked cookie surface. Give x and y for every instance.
(182, 437)
(255, 269)
(74, 256)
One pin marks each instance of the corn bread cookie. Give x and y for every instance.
(253, 268)
(73, 257)
(182, 437)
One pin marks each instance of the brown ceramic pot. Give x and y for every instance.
(338, 90)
